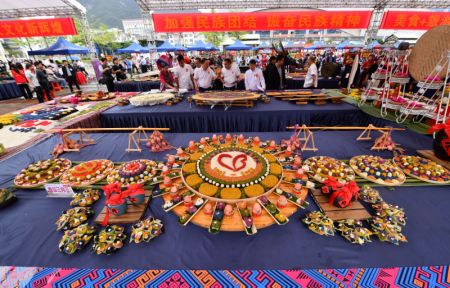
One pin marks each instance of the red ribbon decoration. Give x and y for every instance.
(114, 196)
(345, 195)
(134, 190)
(330, 185)
(438, 127)
(354, 189)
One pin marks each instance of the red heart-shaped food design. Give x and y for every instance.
(236, 164)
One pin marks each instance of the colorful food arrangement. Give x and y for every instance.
(377, 170)
(73, 218)
(146, 230)
(87, 173)
(48, 113)
(97, 96)
(151, 98)
(322, 167)
(134, 172)
(76, 239)
(233, 184)
(353, 231)
(318, 223)
(86, 198)
(109, 240)
(42, 172)
(6, 197)
(231, 173)
(386, 223)
(157, 142)
(423, 169)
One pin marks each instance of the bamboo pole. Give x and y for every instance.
(348, 128)
(104, 129)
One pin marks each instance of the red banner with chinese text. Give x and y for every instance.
(296, 20)
(37, 27)
(414, 20)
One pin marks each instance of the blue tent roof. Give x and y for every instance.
(180, 48)
(373, 44)
(151, 47)
(166, 47)
(289, 45)
(211, 47)
(319, 45)
(263, 45)
(198, 46)
(61, 47)
(133, 48)
(237, 46)
(347, 45)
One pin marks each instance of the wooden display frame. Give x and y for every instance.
(304, 133)
(85, 139)
(355, 211)
(134, 212)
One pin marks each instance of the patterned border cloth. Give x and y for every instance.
(37, 277)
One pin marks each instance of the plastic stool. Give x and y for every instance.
(46, 98)
(56, 87)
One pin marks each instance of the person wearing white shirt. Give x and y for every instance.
(184, 74)
(254, 78)
(204, 77)
(143, 64)
(311, 79)
(33, 81)
(230, 75)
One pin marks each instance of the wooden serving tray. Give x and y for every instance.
(429, 154)
(134, 213)
(355, 211)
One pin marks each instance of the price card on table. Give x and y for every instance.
(59, 190)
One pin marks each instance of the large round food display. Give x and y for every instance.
(230, 173)
(132, 172)
(322, 167)
(233, 185)
(423, 169)
(87, 173)
(377, 170)
(42, 172)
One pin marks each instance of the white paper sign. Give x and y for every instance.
(58, 190)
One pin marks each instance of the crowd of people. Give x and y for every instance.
(212, 73)
(217, 72)
(40, 77)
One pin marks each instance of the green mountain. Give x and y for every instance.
(110, 12)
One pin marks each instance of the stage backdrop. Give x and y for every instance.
(37, 27)
(295, 20)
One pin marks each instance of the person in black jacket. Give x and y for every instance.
(118, 70)
(276, 76)
(107, 75)
(70, 74)
(41, 75)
